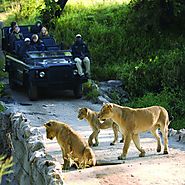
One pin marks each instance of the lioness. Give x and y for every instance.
(96, 125)
(133, 121)
(73, 146)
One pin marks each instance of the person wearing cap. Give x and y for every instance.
(80, 54)
(25, 48)
(12, 26)
(37, 43)
(36, 29)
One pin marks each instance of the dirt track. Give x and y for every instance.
(152, 169)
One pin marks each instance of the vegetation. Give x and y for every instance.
(140, 42)
(5, 165)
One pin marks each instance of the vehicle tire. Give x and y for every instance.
(11, 82)
(78, 91)
(32, 91)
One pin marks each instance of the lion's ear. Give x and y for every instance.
(85, 109)
(109, 106)
(47, 124)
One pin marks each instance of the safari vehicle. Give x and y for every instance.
(52, 68)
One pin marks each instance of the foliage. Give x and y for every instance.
(155, 14)
(22, 11)
(90, 91)
(5, 165)
(171, 100)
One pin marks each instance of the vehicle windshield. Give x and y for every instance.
(49, 54)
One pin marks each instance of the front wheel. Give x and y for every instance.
(78, 91)
(32, 91)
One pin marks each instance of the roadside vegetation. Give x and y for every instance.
(5, 166)
(139, 42)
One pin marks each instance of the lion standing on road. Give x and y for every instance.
(96, 125)
(134, 121)
(73, 146)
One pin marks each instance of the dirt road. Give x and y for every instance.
(152, 169)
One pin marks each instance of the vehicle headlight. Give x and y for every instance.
(42, 74)
(75, 72)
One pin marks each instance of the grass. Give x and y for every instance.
(5, 165)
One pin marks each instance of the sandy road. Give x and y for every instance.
(152, 169)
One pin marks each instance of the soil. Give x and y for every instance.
(154, 168)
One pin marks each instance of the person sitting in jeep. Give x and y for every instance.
(25, 48)
(12, 26)
(15, 35)
(37, 43)
(80, 54)
(35, 29)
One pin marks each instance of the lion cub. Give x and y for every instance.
(73, 146)
(96, 125)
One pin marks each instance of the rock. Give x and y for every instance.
(112, 91)
(101, 99)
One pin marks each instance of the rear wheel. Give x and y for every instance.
(78, 91)
(32, 91)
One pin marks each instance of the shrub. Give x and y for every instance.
(5, 165)
(173, 101)
(90, 91)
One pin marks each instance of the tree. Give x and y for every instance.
(52, 10)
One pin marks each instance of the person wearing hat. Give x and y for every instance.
(36, 29)
(80, 54)
(12, 26)
(25, 48)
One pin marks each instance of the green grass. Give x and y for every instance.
(5, 165)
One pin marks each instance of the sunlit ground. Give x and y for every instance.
(4, 15)
(96, 2)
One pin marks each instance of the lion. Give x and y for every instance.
(73, 146)
(134, 121)
(96, 125)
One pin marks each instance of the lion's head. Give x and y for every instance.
(82, 113)
(105, 112)
(50, 129)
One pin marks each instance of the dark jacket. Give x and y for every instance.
(39, 45)
(80, 50)
(35, 29)
(25, 48)
(12, 38)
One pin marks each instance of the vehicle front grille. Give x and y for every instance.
(60, 73)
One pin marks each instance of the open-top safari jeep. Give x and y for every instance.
(52, 68)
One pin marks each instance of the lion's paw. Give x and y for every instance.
(142, 154)
(165, 152)
(121, 157)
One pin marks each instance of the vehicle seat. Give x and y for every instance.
(18, 44)
(50, 44)
(24, 29)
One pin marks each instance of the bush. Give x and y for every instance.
(90, 91)
(5, 165)
(167, 99)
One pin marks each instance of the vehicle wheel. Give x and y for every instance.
(11, 82)
(78, 91)
(32, 92)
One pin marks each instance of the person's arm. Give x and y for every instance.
(73, 51)
(87, 53)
